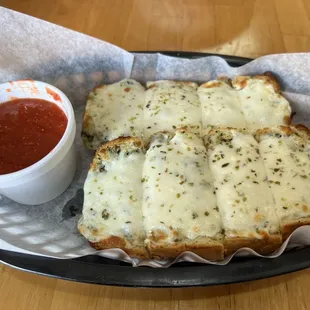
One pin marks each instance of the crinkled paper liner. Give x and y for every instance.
(76, 63)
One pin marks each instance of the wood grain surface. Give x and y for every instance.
(248, 28)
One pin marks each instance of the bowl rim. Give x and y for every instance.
(66, 107)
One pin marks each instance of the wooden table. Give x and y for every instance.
(236, 27)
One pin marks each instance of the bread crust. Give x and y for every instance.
(120, 143)
(153, 84)
(228, 129)
(220, 81)
(208, 134)
(267, 245)
(212, 84)
(239, 82)
(289, 226)
(287, 120)
(121, 243)
(86, 135)
(283, 130)
(300, 130)
(208, 248)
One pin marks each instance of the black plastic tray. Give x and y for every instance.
(99, 270)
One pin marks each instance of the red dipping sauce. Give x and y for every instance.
(29, 130)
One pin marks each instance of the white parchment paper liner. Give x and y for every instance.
(76, 63)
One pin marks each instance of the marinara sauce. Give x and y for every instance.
(29, 130)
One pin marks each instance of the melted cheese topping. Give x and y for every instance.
(243, 196)
(287, 162)
(220, 105)
(170, 105)
(113, 200)
(261, 105)
(178, 198)
(115, 111)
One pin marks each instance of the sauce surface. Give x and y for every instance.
(29, 130)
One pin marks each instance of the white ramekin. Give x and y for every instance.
(50, 176)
